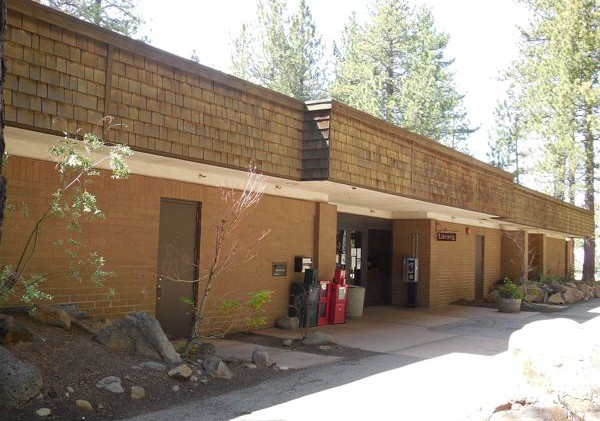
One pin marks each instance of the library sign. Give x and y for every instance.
(446, 236)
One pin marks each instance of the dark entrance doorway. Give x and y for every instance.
(364, 249)
(379, 267)
(479, 264)
(177, 260)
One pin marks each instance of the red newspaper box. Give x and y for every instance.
(339, 298)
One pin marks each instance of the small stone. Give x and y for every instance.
(136, 367)
(137, 392)
(261, 358)
(67, 394)
(127, 378)
(284, 368)
(83, 404)
(100, 406)
(250, 366)
(115, 388)
(70, 389)
(204, 380)
(198, 372)
(287, 342)
(324, 347)
(193, 378)
(43, 412)
(106, 381)
(217, 368)
(175, 388)
(200, 361)
(154, 365)
(182, 371)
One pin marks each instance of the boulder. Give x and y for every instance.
(83, 404)
(182, 372)
(560, 358)
(12, 331)
(572, 295)
(535, 294)
(19, 381)
(596, 291)
(140, 334)
(583, 287)
(288, 323)
(261, 358)
(556, 299)
(53, 316)
(318, 338)
(91, 325)
(571, 285)
(215, 367)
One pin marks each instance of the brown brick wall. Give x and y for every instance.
(513, 255)
(453, 262)
(128, 239)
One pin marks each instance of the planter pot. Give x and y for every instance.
(356, 301)
(509, 305)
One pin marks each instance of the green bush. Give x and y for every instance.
(509, 290)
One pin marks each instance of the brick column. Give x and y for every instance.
(537, 255)
(325, 230)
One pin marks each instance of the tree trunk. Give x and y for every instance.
(2, 142)
(589, 243)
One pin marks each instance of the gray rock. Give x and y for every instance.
(324, 347)
(140, 334)
(182, 371)
(92, 325)
(193, 378)
(261, 358)
(70, 389)
(19, 381)
(138, 392)
(215, 367)
(110, 383)
(175, 388)
(154, 365)
(318, 338)
(572, 295)
(52, 316)
(12, 331)
(288, 323)
(83, 404)
(43, 412)
(249, 366)
(287, 342)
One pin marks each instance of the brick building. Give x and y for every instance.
(342, 185)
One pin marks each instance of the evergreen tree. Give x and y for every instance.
(507, 141)
(280, 52)
(393, 67)
(558, 72)
(117, 15)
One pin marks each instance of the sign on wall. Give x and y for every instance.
(446, 236)
(279, 268)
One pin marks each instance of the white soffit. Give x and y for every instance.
(348, 199)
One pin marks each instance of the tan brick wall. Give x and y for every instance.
(556, 254)
(537, 255)
(453, 262)
(128, 239)
(325, 237)
(403, 231)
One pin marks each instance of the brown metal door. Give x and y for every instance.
(479, 261)
(178, 240)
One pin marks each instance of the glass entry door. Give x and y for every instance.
(349, 254)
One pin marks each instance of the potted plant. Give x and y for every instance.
(510, 297)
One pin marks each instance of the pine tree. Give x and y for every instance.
(558, 72)
(117, 15)
(281, 53)
(394, 68)
(507, 141)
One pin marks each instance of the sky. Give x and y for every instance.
(483, 40)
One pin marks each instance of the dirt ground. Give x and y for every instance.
(73, 359)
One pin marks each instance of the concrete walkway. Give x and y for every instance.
(440, 364)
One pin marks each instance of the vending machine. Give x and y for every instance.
(324, 303)
(339, 298)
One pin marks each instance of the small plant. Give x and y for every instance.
(510, 290)
(250, 311)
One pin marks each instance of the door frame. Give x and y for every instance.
(479, 267)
